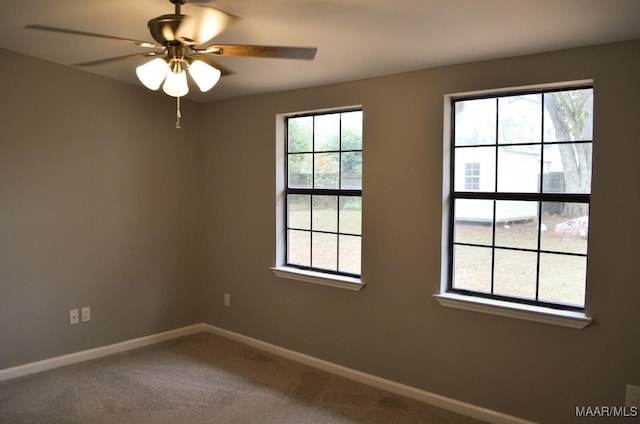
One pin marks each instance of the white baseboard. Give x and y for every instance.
(443, 402)
(98, 352)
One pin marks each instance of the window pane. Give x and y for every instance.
(324, 248)
(517, 224)
(350, 253)
(485, 157)
(475, 122)
(474, 221)
(300, 170)
(566, 227)
(515, 273)
(472, 268)
(562, 279)
(520, 119)
(519, 169)
(351, 170)
(567, 168)
(300, 134)
(351, 214)
(327, 132)
(325, 213)
(299, 211)
(299, 248)
(568, 115)
(327, 168)
(351, 128)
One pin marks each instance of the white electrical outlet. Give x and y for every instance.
(633, 396)
(86, 314)
(227, 299)
(73, 317)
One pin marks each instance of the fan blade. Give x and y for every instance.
(91, 34)
(117, 59)
(223, 71)
(211, 22)
(303, 53)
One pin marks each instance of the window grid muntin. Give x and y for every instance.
(540, 197)
(339, 192)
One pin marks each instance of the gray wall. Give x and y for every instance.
(99, 206)
(394, 328)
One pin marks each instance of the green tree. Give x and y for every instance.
(300, 138)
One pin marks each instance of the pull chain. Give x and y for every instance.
(178, 114)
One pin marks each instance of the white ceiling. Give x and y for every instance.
(355, 38)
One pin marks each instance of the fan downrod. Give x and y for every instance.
(177, 4)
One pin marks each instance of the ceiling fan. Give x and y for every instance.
(176, 50)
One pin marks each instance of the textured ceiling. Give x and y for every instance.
(355, 38)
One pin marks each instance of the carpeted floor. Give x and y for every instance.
(203, 378)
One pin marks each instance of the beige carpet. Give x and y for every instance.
(203, 378)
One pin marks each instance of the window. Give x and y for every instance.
(521, 234)
(472, 176)
(323, 192)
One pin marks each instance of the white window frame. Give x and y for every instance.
(505, 308)
(280, 269)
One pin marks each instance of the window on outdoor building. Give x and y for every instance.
(324, 192)
(472, 176)
(520, 233)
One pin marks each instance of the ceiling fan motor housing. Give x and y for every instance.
(167, 28)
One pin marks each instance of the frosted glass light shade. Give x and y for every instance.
(152, 73)
(204, 75)
(176, 84)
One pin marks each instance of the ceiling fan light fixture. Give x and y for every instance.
(176, 83)
(204, 75)
(177, 39)
(152, 73)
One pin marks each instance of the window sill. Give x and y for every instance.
(514, 310)
(338, 281)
